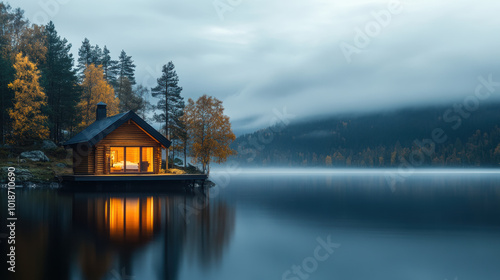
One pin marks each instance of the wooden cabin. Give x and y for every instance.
(120, 144)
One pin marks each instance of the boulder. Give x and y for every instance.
(35, 156)
(22, 174)
(61, 165)
(48, 145)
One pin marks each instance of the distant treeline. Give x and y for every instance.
(436, 136)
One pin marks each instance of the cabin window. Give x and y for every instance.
(147, 159)
(131, 159)
(117, 159)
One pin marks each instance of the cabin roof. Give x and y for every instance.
(102, 128)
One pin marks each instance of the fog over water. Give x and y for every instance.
(354, 171)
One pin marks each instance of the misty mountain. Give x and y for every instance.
(437, 136)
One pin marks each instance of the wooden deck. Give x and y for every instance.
(133, 183)
(134, 177)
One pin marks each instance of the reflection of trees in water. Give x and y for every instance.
(111, 230)
(209, 230)
(94, 260)
(99, 236)
(43, 236)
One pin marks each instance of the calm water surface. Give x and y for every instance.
(263, 225)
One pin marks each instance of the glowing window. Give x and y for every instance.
(117, 159)
(147, 159)
(132, 155)
(131, 159)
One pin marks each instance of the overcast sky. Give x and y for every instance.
(261, 56)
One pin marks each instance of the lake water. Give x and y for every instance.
(290, 224)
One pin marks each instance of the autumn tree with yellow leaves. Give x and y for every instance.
(209, 131)
(33, 43)
(28, 122)
(95, 89)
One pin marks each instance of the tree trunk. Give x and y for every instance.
(173, 154)
(166, 121)
(185, 156)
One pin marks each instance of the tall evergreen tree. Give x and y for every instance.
(128, 99)
(143, 93)
(84, 57)
(126, 67)
(96, 55)
(109, 66)
(60, 84)
(170, 104)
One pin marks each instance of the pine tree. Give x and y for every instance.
(143, 93)
(96, 55)
(60, 84)
(126, 67)
(84, 57)
(109, 66)
(170, 103)
(129, 98)
(95, 89)
(29, 124)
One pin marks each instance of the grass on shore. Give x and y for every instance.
(60, 163)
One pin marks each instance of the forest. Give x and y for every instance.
(390, 139)
(38, 69)
(45, 93)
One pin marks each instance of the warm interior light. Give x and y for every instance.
(116, 221)
(130, 218)
(150, 213)
(116, 159)
(147, 159)
(132, 214)
(131, 159)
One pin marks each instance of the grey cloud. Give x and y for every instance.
(269, 55)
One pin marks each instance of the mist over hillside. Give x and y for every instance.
(451, 135)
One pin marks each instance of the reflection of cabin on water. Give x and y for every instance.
(119, 144)
(127, 221)
(116, 232)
